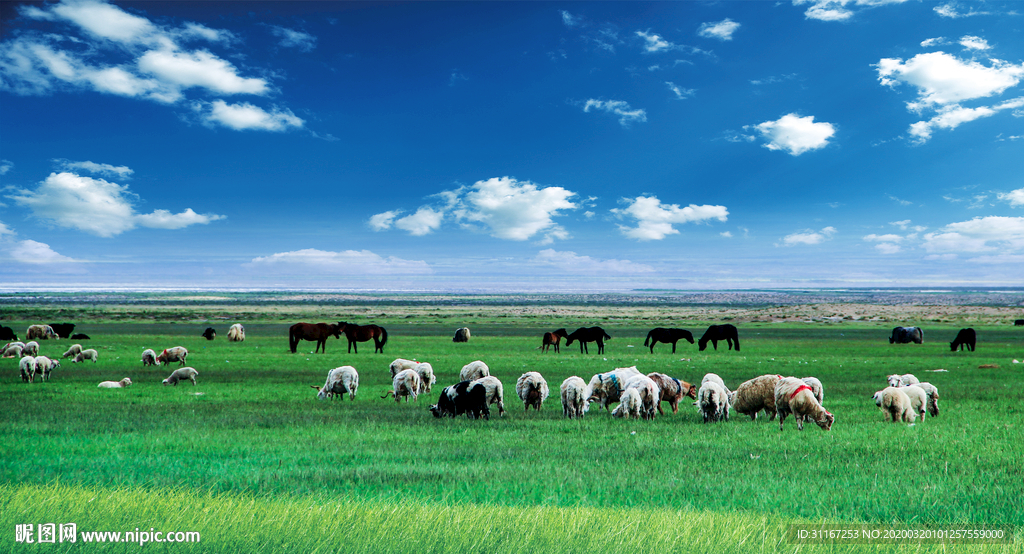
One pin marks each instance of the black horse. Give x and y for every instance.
(966, 337)
(318, 332)
(666, 336)
(715, 333)
(362, 333)
(588, 334)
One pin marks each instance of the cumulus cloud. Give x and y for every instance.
(290, 38)
(626, 113)
(974, 43)
(795, 134)
(981, 234)
(573, 264)
(952, 116)
(383, 221)
(808, 237)
(245, 116)
(425, 221)
(839, 10)
(886, 244)
(97, 206)
(348, 262)
(1014, 198)
(721, 30)
(928, 43)
(121, 171)
(654, 220)
(654, 42)
(29, 251)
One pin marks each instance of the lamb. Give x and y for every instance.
(574, 399)
(181, 374)
(918, 399)
(400, 364)
(73, 351)
(904, 380)
(339, 381)
(176, 354)
(933, 397)
(631, 405)
(31, 348)
(816, 387)
(532, 389)
(13, 350)
(672, 390)
(27, 365)
(42, 332)
(649, 394)
(122, 384)
(427, 378)
(713, 401)
(895, 403)
(473, 371)
(88, 354)
(236, 333)
(405, 384)
(607, 387)
(755, 395)
(44, 366)
(148, 357)
(715, 379)
(793, 396)
(495, 392)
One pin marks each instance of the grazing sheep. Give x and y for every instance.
(755, 395)
(494, 391)
(427, 378)
(73, 351)
(27, 366)
(148, 357)
(405, 384)
(236, 333)
(532, 389)
(88, 354)
(473, 371)
(122, 384)
(460, 399)
(895, 404)
(41, 332)
(31, 348)
(339, 381)
(817, 388)
(672, 390)
(400, 364)
(181, 374)
(176, 354)
(13, 350)
(918, 399)
(713, 401)
(904, 380)
(649, 394)
(574, 399)
(631, 405)
(715, 379)
(933, 397)
(44, 366)
(461, 335)
(793, 396)
(607, 387)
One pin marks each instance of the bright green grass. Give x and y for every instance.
(257, 429)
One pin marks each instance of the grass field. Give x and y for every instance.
(251, 460)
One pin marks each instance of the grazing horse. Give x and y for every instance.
(666, 336)
(362, 333)
(907, 335)
(966, 337)
(588, 334)
(715, 333)
(318, 332)
(552, 339)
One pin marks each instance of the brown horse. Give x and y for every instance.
(318, 332)
(362, 333)
(553, 338)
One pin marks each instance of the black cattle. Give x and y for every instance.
(6, 333)
(1019, 322)
(63, 330)
(966, 337)
(588, 334)
(715, 333)
(459, 399)
(461, 335)
(907, 335)
(80, 336)
(210, 333)
(660, 334)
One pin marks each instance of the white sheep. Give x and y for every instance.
(793, 396)
(401, 363)
(574, 399)
(713, 401)
(918, 399)
(236, 333)
(816, 387)
(494, 391)
(755, 395)
(181, 374)
(87, 354)
(711, 377)
(607, 387)
(427, 377)
(630, 405)
(339, 381)
(27, 366)
(895, 404)
(904, 380)
(148, 357)
(73, 351)
(175, 354)
(44, 366)
(473, 371)
(532, 389)
(406, 384)
(31, 348)
(933, 397)
(12, 350)
(122, 384)
(650, 394)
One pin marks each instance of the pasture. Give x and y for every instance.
(254, 462)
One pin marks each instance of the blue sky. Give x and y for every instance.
(568, 146)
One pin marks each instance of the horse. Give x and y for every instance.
(318, 332)
(715, 333)
(966, 337)
(666, 336)
(362, 333)
(588, 334)
(907, 335)
(552, 339)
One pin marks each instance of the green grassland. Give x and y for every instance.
(255, 462)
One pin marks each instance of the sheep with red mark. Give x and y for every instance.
(817, 388)
(175, 354)
(793, 396)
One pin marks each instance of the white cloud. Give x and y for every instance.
(655, 220)
(290, 38)
(348, 262)
(721, 30)
(33, 252)
(928, 43)
(246, 116)
(952, 116)
(681, 93)
(974, 43)
(888, 248)
(620, 108)
(573, 264)
(1015, 198)
(103, 20)
(808, 237)
(5, 166)
(570, 20)
(654, 43)
(426, 220)
(517, 210)
(981, 234)
(883, 238)
(838, 10)
(97, 206)
(121, 171)
(199, 69)
(383, 221)
(943, 79)
(950, 10)
(899, 201)
(795, 134)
